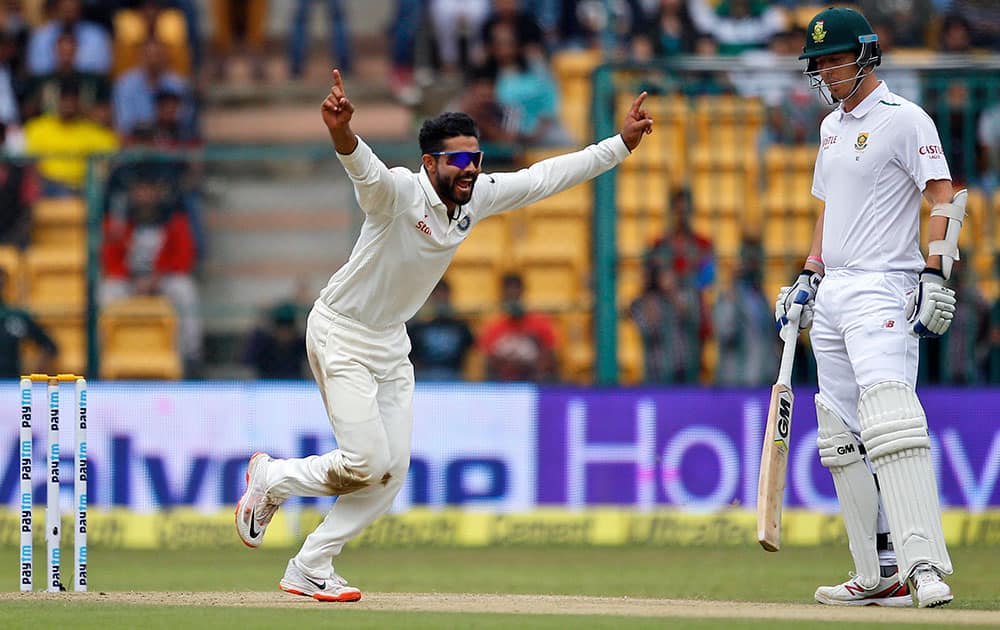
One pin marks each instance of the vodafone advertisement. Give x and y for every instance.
(491, 448)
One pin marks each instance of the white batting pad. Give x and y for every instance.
(840, 451)
(894, 430)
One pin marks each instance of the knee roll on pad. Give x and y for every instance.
(894, 431)
(841, 452)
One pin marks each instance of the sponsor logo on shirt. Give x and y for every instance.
(423, 227)
(932, 151)
(862, 142)
(829, 141)
(889, 323)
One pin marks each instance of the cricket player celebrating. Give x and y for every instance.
(878, 296)
(356, 337)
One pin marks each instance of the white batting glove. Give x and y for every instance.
(802, 292)
(931, 306)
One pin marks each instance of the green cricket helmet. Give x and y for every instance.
(837, 30)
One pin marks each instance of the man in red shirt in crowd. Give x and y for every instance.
(151, 251)
(519, 346)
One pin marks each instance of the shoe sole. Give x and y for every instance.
(887, 602)
(937, 602)
(236, 512)
(346, 597)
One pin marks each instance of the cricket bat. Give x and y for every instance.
(774, 456)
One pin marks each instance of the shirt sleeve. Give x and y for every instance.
(818, 188)
(505, 191)
(919, 149)
(376, 187)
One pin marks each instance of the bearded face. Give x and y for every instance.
(453, 170)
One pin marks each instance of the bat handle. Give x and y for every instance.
(790, 333)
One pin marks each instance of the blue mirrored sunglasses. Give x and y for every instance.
(461, 159)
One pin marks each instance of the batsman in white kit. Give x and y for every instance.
(870, 295)
(356, 336)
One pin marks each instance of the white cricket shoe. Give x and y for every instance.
(931, 589)
(255, 509)
(888, 592)
(326, 588)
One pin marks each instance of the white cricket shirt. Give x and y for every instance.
(407, 240)
(873, 165)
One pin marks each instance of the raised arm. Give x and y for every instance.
(506, 191)
(374, 184)
(337, 113)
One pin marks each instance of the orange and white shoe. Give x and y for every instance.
(255, 508)
(325, 588)
(888, 592)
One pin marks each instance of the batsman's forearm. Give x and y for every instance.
(344, 140)
(937, 191)
(816, 249)
(936, 228)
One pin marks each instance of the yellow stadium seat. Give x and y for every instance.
(629, 280)
(474, 286)
(10, 261)
(60, 222)
(139, 339)
(131, 32)
(69, 333)
(979, 221)
(576, 62)
(576, 341)
(630, 359)
(665, 151)
(724, 157)
(728, 119)
(551, 283)
(487, 243)
(789, 193)
(715, 193)
(784, 158)
(554, 236)
(576, 200)
(725, 231)
(55, 278)
(788, 236)
(640, 192)
(636, 232)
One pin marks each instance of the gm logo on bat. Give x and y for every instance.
(784, 426)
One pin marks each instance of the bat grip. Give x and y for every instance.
(790, 333)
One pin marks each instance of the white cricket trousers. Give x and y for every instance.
(859, 337)
(366, 380)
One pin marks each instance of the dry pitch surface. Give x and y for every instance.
(538, 605)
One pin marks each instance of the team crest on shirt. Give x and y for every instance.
(862, 142)
(464, 223)
(819, 33)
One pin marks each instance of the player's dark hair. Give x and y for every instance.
(436, 130)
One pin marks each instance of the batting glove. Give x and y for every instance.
(802, 292)
(930, 307)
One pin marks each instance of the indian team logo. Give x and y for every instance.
(862, 142)
(819, 33)
(463, 223)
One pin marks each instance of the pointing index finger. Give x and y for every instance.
(638, 103)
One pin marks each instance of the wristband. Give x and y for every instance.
(815, 259)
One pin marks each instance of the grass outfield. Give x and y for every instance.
(736, 574)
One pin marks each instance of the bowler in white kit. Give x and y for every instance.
(870, 295)
(356, 336)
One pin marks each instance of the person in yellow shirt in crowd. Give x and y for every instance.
(63, 141)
